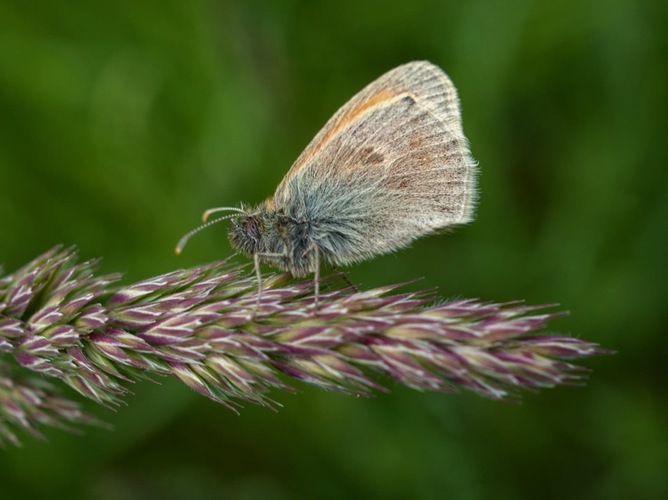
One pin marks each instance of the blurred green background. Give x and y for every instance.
(120, 122)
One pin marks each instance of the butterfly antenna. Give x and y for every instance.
(206, 214)
(187, 236)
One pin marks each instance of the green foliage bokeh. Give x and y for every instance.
(120, 122)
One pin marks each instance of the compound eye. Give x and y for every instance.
(252, 228)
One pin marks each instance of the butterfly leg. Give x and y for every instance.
(313, 247)
(345, 278)
(316, 275)
(258, 272)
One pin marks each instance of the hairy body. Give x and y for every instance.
(392, 165)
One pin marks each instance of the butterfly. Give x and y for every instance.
(392, 165)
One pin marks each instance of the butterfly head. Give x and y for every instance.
(247, 233)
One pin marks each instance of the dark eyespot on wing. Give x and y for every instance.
(408, 100)
(372, 156)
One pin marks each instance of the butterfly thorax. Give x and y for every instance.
(281, 240)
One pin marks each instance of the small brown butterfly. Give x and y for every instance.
(392, 165)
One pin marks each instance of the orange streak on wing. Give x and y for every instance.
(346, 119)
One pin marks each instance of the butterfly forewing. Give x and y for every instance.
(390, 166)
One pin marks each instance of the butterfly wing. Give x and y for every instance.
(390, 166)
